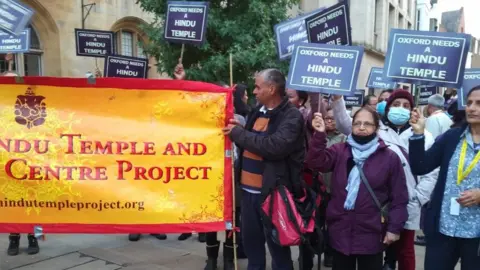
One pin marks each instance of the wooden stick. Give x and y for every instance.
(234, 222)
(320, 102)
(231, 70)
(181, 53)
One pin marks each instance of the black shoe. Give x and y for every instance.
(328, 260)
(212, 255)
(202, 237)
(184, 236)
(14, 245)
(33, 247)
(159, 236)
(420, 241)
(211, 264)
(134, 237)
(228, 258)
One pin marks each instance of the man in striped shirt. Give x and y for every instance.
(272, 153)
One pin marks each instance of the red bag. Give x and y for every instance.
(289, 220)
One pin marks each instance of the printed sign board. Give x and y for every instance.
(471, 79)
(289, 32)
(324, 68)
(426, 92)
(330, 26)
(10, 43)
(126, 67)
(94, 43)
(355, 100)
(377, 80)
(14, 16)
(186, 22)
(422, 57)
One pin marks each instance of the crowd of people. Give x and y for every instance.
(387, 170)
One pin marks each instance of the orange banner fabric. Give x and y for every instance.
(116, 156)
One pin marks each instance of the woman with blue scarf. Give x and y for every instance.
(369, 196)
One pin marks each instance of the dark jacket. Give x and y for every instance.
(361, 231)
(423, 162)
(282, 149)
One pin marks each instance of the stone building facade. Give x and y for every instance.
(53, 51)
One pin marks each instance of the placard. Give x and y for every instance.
(110, 158)
(356, 100)
(186, 22)
(330, 26)
(471, 79)
(14, 16)
(10, 43)
(426, 91)
(126, 67)
(289, 32)
(377, 80)
(94, 43)
(428, 58)
(323, 68)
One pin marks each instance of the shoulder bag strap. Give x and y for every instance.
(369, 188)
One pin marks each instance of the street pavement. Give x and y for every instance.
(115, 252)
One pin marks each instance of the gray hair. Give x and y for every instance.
(437, 101)
(277, 78)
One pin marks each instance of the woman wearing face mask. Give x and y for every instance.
(382, 101)
(395, 131)
(357, 228)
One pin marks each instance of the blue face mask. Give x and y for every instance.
(398, 115)
(381, 107)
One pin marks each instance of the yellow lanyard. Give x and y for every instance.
(461, 174)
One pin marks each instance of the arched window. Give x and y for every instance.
(130, 43)
(29, 63)
(33, 59)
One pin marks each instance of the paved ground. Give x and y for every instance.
(114, 252)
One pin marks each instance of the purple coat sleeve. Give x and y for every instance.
(398, 196)
(320, 157)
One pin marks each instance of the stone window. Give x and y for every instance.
(129, 43)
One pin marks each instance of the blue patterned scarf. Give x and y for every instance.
(360, 153)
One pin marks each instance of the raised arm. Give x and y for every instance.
(275, 146)
(423, 161)
(342, 119)
(319, 157)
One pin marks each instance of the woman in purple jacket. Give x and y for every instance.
(359, 233)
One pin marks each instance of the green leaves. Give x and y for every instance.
(241, 27)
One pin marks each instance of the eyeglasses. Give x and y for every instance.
(365, 124)
(329, 119)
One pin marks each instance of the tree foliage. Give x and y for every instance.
(241, 27)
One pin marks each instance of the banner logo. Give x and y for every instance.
(30, 110)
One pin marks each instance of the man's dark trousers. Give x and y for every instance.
(254, 237)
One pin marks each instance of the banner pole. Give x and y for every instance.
(234, 222)
(231, 70)
(181, 53)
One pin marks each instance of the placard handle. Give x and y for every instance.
(180, 61)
